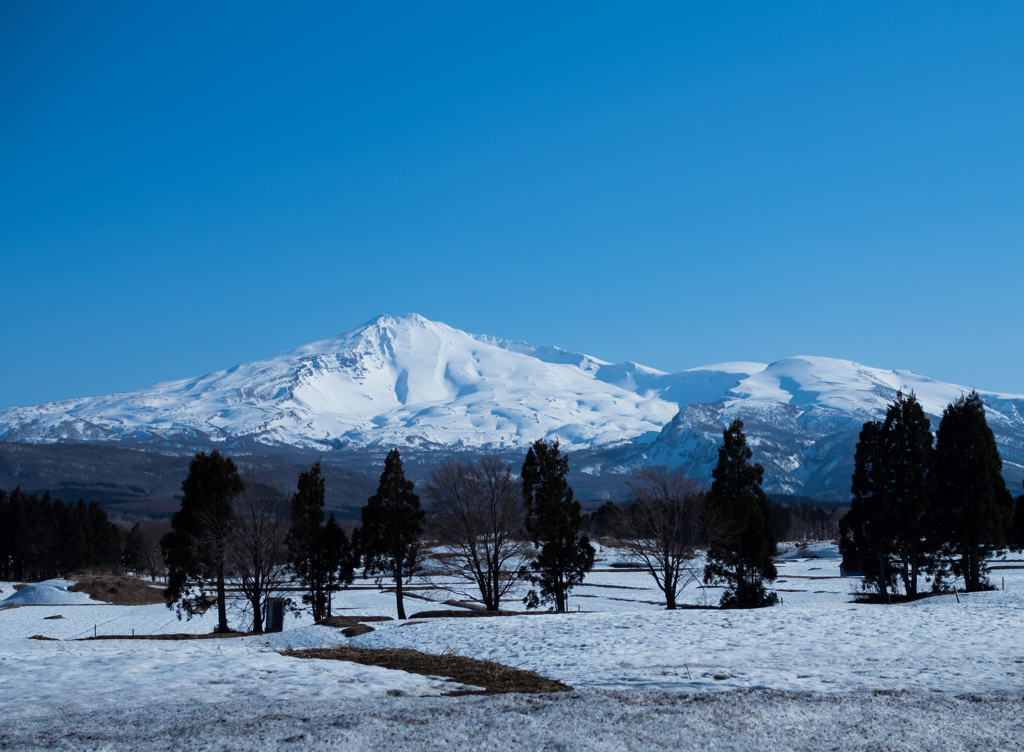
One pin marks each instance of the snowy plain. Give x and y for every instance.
(814, 672)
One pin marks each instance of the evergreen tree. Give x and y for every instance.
(392, 524)
(868, 531)
(909, 461)
(320, 555)
(6, 527)
(887, 532)
(1018, 524)
(553, 521)
(74, 534)
(974, 508)
(741, 555)
(105, 537)
(196, 548)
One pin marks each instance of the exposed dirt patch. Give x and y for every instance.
(21, 586)
(121, 591)
(351, 621)
(357, 629)
(495, 678)
(452, 614)
(42, 637)
(55, 616)
(893, 599)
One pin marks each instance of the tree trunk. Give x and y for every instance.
(398, 593)
(257, 615)
(222, 611)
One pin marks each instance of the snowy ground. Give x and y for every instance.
(816, 672)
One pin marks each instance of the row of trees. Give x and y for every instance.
(41, 538)
(493, 530)
(478, 511)
(928, 507)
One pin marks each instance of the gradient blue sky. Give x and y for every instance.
(187, 186)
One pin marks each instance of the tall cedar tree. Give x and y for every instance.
(974, 507)
(553, 522)
(321, 556)
(196, 548)
(867, 532)
(741, 555)
(888, 529)
(1018, 524)
(392, 524)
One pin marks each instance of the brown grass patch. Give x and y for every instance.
(454, 614)
(20, 586)
(42, 637)
(176, 636)
(118, 590)
(495, 678)
(357, 629)
(350, 621)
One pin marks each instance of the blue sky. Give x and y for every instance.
(187, 186)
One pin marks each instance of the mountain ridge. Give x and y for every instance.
(417, 383)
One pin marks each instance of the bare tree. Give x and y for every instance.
(665, 526)
(476, 512)
(256, 543)
(142, 549)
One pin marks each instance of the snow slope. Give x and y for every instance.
(47, 593)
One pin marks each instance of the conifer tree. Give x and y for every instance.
(909, 462)
(741, 557)
(1018, 524)
(887, 532)
(196, 548)
(553, 521)
(105, 537)
(321, 555)
(392, 524)
(974, 508)
(868, 531)
(6, 528)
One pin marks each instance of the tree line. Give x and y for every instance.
(921, 508)
(490, 529)
(41, 537)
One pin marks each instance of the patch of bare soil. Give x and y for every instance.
(893, 599)
(118, 590)
(495, 678)
(357, 629)
(350, 621)
(42, 637)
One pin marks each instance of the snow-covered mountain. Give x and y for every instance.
(406, 380)
(419, 383)
(802, 417)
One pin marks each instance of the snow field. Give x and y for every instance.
(590, 720)
(815, 672)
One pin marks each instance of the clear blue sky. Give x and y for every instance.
(187, 186)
